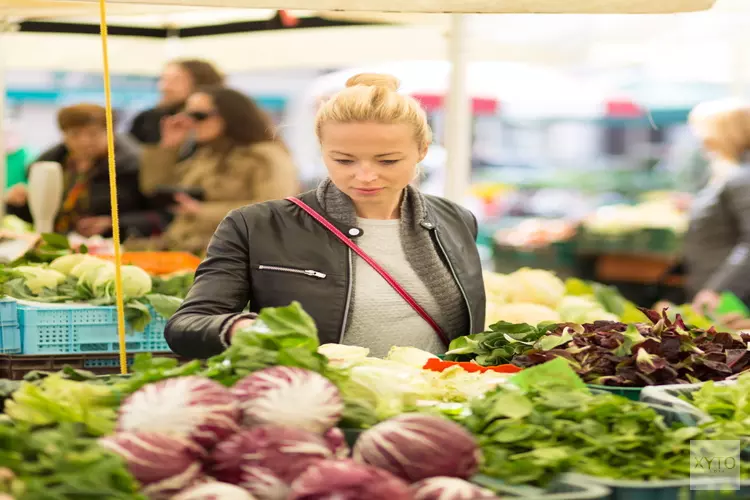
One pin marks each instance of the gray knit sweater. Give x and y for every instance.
(419, 247)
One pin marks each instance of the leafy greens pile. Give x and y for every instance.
(501, 344)
(551, 428)
(728, 405)
(60, 463)
(660, 353)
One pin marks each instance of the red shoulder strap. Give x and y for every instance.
(382, 272)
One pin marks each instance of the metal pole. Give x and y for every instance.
(5, 28)
(458, 114)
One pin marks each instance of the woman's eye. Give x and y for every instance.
(389, 162)
(344, 162)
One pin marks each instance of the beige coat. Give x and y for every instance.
(229, 177)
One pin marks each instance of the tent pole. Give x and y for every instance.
(458, 114)
(5, 27)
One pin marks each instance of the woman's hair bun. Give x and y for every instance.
(381, 80)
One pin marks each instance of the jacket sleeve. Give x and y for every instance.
(158, 168)
(220, 292)
(733, 273)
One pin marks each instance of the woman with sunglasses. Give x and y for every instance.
(375, 262)
(238, 161)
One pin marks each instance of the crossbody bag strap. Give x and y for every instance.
(382, 272)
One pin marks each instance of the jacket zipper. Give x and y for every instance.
(455, 277)
(348, 295)
(306, 272)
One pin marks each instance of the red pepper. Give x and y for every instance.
(438, 365)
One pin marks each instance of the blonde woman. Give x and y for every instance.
(375, 262)
(717, 244)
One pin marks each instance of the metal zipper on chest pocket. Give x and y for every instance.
(455, 277)
(306, 272)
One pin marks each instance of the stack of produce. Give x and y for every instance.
(400, 383)
(81, 278)
(552, 427)
(619, 219)
(258, 421)
(611, 353)
(534, 296)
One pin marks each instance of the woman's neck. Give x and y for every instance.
(380, 211)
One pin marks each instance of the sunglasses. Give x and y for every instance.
(200, 116)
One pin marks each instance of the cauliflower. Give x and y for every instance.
(534, 286)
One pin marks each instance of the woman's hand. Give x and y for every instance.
(706, 302)
(17, 196)
(186, 204)
(93, 226)
(175, 130)
(735, 321)
(239, 325)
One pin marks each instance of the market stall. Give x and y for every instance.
(279, 416)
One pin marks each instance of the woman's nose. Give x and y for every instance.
(366, 173)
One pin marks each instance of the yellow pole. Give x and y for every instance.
(113, 188)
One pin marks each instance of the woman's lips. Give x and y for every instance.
(367, 191)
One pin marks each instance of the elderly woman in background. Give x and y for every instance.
(238, 161)
(85, 207)
(717, 244)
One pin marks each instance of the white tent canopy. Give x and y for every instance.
(457, 47)
(441, 6)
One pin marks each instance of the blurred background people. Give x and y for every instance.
(239, 160)
(717, 243)
(86, 198)
(178, 80)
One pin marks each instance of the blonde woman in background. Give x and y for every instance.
(717, 243)
(271, 254)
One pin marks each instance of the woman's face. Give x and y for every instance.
(86, 143)
(371, 162)
(207, 124)
(175, 84)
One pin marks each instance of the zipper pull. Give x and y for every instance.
(315, 274)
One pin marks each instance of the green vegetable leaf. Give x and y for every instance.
(511, 405)
(56, 241)
(164, 305)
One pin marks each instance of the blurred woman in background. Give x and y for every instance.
(83, 155)
(238, 161)
(179, 79)
(717, 244)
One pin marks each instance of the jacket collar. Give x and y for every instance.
(340, 208)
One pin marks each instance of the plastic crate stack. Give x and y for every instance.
(84, 337)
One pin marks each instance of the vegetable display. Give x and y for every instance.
(416, 447)
(449, 488)
(289, 396)
(269, 418)
(531, 437)
(82, 278)
(266, 459)
(663, 352)
(348, 480)
(194, 407)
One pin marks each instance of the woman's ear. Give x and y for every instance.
(422, 154)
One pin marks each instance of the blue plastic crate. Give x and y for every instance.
(84, 330)
(10, 333)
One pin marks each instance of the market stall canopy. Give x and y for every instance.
(448, 6)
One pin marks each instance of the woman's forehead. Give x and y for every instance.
(375, 138)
